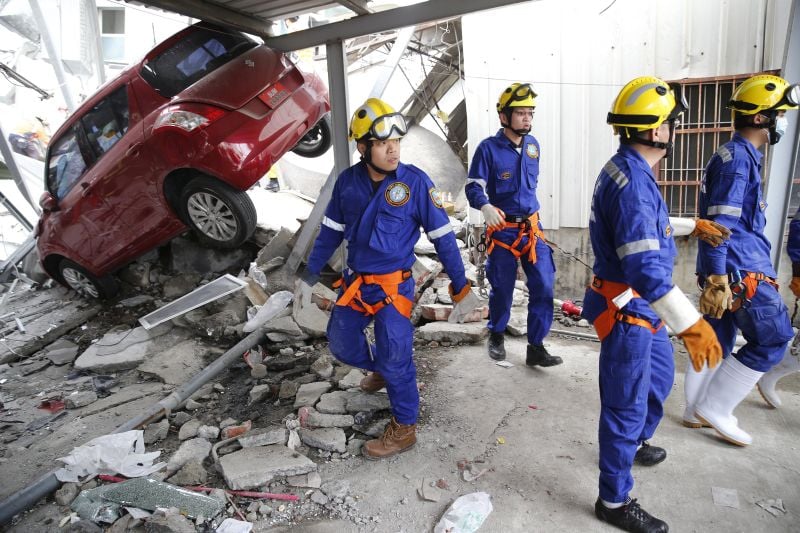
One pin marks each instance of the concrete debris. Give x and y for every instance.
(319, 497)
(180, 418)
(174, 364)
(80, 399)
(124, 349)
(192, 473)
(372, 429)
(272, 316)
(259, 392)
(441, 312)
(285, 326)
(288, 390)
(168, 521)
(363, 401)
(334, 403)
(518, 323)
(471, 333)
(194, 449)
(354, 446)
(316, 419)
(187, 256)
(330, 439)
(208, 432)
(189, 429)
(323, 367)
(311, 480)
(136, 301)
(231, 525)
(67, 493)
(351, 380)
(61, 352)
(254, 467)
(336, 489)
(258, 371)
(156, 432)
(264, 437)
(278, 246)
(428, 491)
(177, 286)
(309, 394)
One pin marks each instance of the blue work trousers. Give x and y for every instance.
(636, 374)
(392, 353)
(765, 325)
(501, 271)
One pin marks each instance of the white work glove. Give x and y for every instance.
(494, 217)
(464, 303)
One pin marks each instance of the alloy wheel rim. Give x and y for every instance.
(212, 216)
(79, 282)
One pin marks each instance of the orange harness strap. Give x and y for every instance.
(529, 227)
(604, 323)
(746, 289)
(390, 283)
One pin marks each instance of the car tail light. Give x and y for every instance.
(188, 117)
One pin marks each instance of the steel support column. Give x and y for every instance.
(8, 157)
(53, 53)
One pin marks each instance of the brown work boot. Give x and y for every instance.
(396, 438)
(372, 382)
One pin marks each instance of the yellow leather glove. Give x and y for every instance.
(702, 344)
(710, 232)
(716, 297)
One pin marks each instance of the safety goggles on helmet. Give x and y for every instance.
(681, 105)
(383, 127)
(521, 93)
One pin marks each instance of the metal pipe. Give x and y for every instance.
(25, 498)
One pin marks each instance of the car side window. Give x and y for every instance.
(107, 122)
(65, 166)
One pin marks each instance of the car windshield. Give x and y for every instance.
(200, 53)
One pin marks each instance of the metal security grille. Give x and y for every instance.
(706, 126)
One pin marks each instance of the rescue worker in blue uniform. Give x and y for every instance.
(502, 183)
(632, 296)
(378, 206)
(738, 280)
(791, 358)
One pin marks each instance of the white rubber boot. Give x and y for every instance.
(766, 385)
(694, 388)
(731, 384)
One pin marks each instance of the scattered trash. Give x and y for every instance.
(235, 431)
(428, 491)
(470, 471)
(501, 440)
(466, 514)
(103, 384)
(504, 364)
(774, 507)
(52, 405)
(442, 484)
(532, 407)
(110, 454)
(570, 309)
(725, 497)
(231, 525)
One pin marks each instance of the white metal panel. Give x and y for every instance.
(578, 59)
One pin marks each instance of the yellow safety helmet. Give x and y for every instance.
(516, 95)
(645, 103)
(764, 92)
(376, 119)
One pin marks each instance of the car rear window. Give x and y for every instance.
(200, 53)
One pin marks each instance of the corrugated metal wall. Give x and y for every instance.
(578, 58)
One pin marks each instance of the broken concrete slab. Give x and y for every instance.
(518, 323)
(156, 432)
(80, 399)
(278, 246)
(334, 403)
(286, 326)
(61, 352)
(308, 394)
(374, 428)
(471, 333)
(441, 312)
(259, 392)
(175, 364)
(288, 390)
(323, 367)
(254, 467)
(362, 401)
(136, 301)
(192, 473)
(121, 350)
(264, 437)
(311, 319)
(316, 419)
(177, 286)
(169, 521)
(329, 439)
(311, 480)
(50, 314)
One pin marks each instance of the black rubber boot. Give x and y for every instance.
(649, 455)
(538, 356)
(630, 517)
(496, 349)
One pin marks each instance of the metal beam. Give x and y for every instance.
(358, 7)
(8, 157)
(383, 21)
(216, 14)
(784, 155)
(53, 53)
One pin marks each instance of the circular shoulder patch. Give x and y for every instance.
(397, 193)
(532, 151)
(436, 196)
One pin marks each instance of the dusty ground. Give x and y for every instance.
(543, 476)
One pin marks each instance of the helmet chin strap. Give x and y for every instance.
(520, 131)
(366, 157)
(668, 146)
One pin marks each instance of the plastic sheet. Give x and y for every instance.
(466, 515)
(122, 453)
(231, 525)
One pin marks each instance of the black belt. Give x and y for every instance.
(517, 218)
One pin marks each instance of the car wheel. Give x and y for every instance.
(84, 283)
(317, 141)
(220, 216)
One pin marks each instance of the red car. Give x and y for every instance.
(173, 142)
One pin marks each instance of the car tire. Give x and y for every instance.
(219, 215)
(317, 140)
(86, 284)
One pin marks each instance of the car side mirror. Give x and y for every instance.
(48, 203)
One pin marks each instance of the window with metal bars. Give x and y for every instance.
(707, 125)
